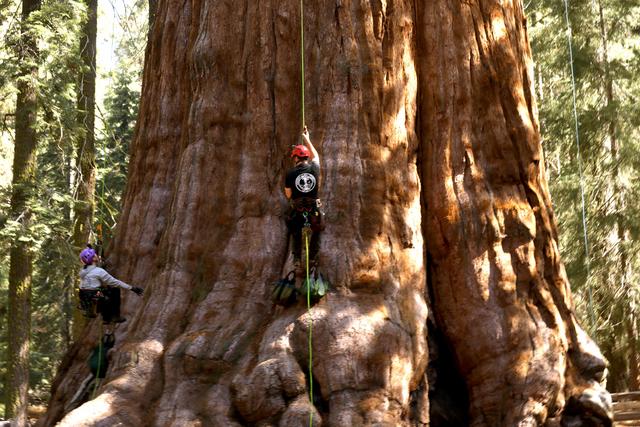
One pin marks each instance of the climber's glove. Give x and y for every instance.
(138, 291)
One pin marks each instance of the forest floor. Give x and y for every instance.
(626, 409)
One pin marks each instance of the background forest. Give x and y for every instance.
(593, 189)
(61, 131)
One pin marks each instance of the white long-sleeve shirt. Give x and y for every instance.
(94, 277)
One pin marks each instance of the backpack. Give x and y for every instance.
(98, 361)
(284, 291)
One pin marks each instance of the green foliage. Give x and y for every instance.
(121, 105)
(606, 61)
(121, 112)
(57, 27)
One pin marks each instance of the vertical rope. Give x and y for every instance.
(306, 235)
(302, 58)
(306, 248)
(579, 156)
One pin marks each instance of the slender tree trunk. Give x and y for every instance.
(86, 154)
(153, 7)
(67, 311)
(631, 326)
(420, 110)
(69, 281)
(24, 164)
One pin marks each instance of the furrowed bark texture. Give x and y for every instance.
(202, 227)
(500, 291)
(203, 231)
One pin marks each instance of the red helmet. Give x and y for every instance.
(300, 151)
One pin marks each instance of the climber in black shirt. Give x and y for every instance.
(301, 188)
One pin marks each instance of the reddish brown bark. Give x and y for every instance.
(500, 291)
(202, 227)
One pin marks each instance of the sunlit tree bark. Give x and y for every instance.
(500, 291)
(424, 119)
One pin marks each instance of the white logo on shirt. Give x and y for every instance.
(305, 182)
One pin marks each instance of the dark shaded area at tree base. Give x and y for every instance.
(448, 397)
(575, 416)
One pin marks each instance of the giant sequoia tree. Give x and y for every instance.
(435, 195)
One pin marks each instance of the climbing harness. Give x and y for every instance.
(90, 301)
(579, 157)
(311, 211)
(104, 301)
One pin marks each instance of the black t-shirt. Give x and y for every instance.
(303, 180)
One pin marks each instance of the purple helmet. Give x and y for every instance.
(87, 255)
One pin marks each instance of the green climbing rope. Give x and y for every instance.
(306, 248)
(306, 234)
(302, 58)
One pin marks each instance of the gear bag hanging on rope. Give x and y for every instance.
(98, 361)
(317, 287)
(284, 291)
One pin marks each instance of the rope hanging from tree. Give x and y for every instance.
(579, 157)
(302, 59)
(308, 283)
(307, 228)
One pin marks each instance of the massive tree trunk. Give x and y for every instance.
(424, 119)
(86, 148)
(21, 254)
(500, 291)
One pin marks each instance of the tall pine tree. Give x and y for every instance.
(21, 256)
(86, 144)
